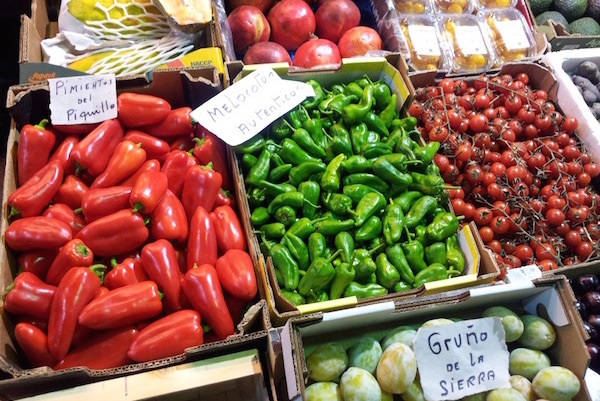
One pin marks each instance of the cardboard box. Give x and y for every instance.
(32, 67)
(549, 298)
(28, 103)
(393, 71)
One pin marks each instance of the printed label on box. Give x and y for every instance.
(469, 39)
(462, 358)
(85, 99)
(424, 40)
(513, 35)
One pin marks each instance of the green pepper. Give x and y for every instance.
(427, 184)
(337, 88)
(285, 215)
(305, 141)
(324, 104)
(272, 230)
(406, 123)
(248, 160)
(292, 199)
(315, 129)
(435, 253)
(375, 124)
(280, 128)
(357, 191)
(314, 101)
(260, 216)
(419, 209)
(406, 200)
(303, 227)
(370, 204)
(420, 234)
(321, 296)
(330, 181)
(432, 169)
(373, 150)
(433, 272)
(415, 255)
(369, 230)
(272, 146)
(363, 264)
(382, 95)
(330, 228)
(364, 81)
(377, 245)
(341, 142)
(393, 223)
(399, 160)
(367, 179)
(340, 101)
(265, 245)
(317, 243)
(443, 225)
(298, 249)
(353, 89)
(318, 275)
(292, 153)
(402, 286)
(384, 169)
(361, 291)
(287, 266)
(386, 272)
(344, 242)
(276, 160)
(256, 197)
(394, 137)
(344, 274)
(260, 171)
(276, 189)
(358, 137)
(454, 256)
(293, 297)
(388, 114)
(371, 137)
(301, 172)
(297, 117)
(356, 164)
(427, 152)
(252, 145)
(396, 257)
(336, 203)
(311, 191)
(280, 173)
(279, 278)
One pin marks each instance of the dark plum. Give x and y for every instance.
(586, 282)
(594, 320)
(594, 351)
(591, 330)
(581, 308)
(592, 301)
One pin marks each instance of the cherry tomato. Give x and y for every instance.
(570, 124)
(592, 169)
(483, 216)
(556, 202)
(495, 246)
(573, 239)
(524, 253)
(478, 122)
(469, 211)
(547, 265)
(555, 217)
(545, 251)
(497, 169)
(415, 109)
(463, 152)
(458, 205)
(512, 261)
(584, 250)
(486, 233)
(583, 180)
(500, 225)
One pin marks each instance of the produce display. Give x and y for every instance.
(128, 245)
(524, 176)
(586, 78)
(377, 368)
(577, 16)
(345, 199)
(587, 291)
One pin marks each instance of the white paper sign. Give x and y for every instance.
(462, 358)
(469, 39)
(513, 35)
(245, 108)
(84, 99)
(424, 40)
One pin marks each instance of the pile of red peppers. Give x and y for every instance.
(128, 243)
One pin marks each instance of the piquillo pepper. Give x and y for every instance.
(71, 192)
(201, 186)
(419, 209)
(177, 123)
(369, 229)
(152, 165)
(318, 275)
(155, 147)
(101, 202)
(210, 149)
(396, 257)
(64, 213)
(33, 150)
(148, 190)
(168, 220)
(176, 165)
(236, 274)
(125, 160)
(28, 295)
(34, 195)
(159, 260)
(311, 191)
(202, 240)
(36, 262)
(136, 110)
(37, 233)
(303, 171)
(361, 291)
(393, 223)
(34, 343)
(228, 229)
(369, 205)
(94, 151)
(129, 271)
(73, 254)
(62, 153)
(354, 113)
(298, 249)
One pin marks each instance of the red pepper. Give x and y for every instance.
(202, 240)
(37, 233)
(36, 262)
(178, 122)
(148, 190)
(95, 150)
(224, 198)
(129, 271)
(63, 154)
(149, 165)
(155, 147)
(34, 344)
(75, 291)
(168, 336)
(73, 254)
(136, 109)
(236, 307)
(64, 213)
(131, 304)
(228, 229)
(104, 350)
(159, 260)
(176, 167)
(100, 202)
(236, 274)
(210, 149)
(79, 129)
(37, 193)
(71, 192)
(101, 292)
(126, 159)
(201, 186)
(29, 295)
(202, 288)
(184, 142)
(40, 324)
(168, 219)
(33, 151)
(116, 234)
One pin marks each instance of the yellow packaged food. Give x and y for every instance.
(412, 6)
(510, 36)
(422, 38)
(454, 6)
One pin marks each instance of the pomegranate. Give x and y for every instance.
(267, 52)
(358, 41)
(263, 5)
(317, 52)
(292, 23)
(335, 17)
(248, 26)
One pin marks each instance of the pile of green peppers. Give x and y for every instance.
(345, 199)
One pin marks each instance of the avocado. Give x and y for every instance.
(539, 6)
(585, 26)
(554, 16)
(593, 9)
(571, 9)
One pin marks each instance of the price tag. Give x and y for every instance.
(462, 358)
(245, 108)
(469, 39)
(85, 99)
(424, 40)
(513, 35)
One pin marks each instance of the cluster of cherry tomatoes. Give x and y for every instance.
(524, 176)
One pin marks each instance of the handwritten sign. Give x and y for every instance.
(462, 358)
(83, 99)
(244, 109)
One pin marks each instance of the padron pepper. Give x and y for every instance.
(284, 262)
(427, 184)
(373, 150)
(303, 171)
(393, 223)
(314, 101)
(316, 246)
(384, 169)
(354, 89)
(330, 181)
(357, 191)
(292, 153)
(443, 225)
(396, 257)
(260, 171)
(388, 114)
(306, 142)
(276, 160)
(402, 286)
(286, 215)
(318, 276)
(344, 274)
(251, 146)
(330, 227)
(293, 297)
(368, 179)
(357, 164)
(280, 173)
(406, 200)
(426, 152)
(363, 263)
(293, 199)
(361, 291)
(303, 227)
(297, 117)
(276, 189)
(454, 256)
(272, 230)
(382, 95)
(415, 255)
(256, 197)
(341, 142)
(370, 204)
(420, 234)
(433, 272)
(419, 209)
(358, 137)
(298, 249)
(369, 230)
(321, 296)
(436, 253)
(339, 101)
(280, 129)
(337, 203)
(315, 129)
(387, 274)
(375, 124)
(406, 123)
(345, 242)
(248, 160)
(311, 191)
